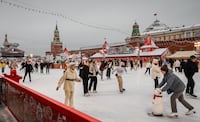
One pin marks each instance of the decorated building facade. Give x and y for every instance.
(174, 38)
(163, 36)
(10, 49)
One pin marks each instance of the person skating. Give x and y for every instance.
(28, 69)
(84, 74)
(155, 72)
(190, 68)
(3, 66)
(120, 70)
(109, 67)
(148, 68)
(173, 84)
(93, 71)
(69, 77)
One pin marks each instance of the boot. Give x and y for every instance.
(190, 112)
(173, 115)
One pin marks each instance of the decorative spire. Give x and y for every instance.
(135, 31)
(56, 26)
(6, 43)
(56, 34)
(155, 14)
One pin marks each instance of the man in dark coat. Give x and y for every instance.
(189, 70)
(28, 69)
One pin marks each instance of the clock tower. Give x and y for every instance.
(56, 44)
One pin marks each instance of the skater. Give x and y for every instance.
(93, 76)
(13, 65)
(189, 70)
(120, 70)
(173, 84)
(84, 74)
(177, 65)
(148, 67)
(36, 66)
(131, 64)
(108, 71)
(102, 67)
(155, 72)
(28, 69)
(69, 77)
(42, 65)
(3, 66)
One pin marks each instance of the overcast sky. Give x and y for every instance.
(34, 31)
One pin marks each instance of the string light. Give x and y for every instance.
(47, 12)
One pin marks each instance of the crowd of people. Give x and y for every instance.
(88, 71)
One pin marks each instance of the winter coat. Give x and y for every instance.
(148, 65)
(177, 63)
(84, 72)
(120, 71)
(172, 82)
(28, 67)
(190, 68)
(68, 78)
(93, 70)
(13, 65)
(3, 65)
(155, 71)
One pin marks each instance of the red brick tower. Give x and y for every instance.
(56, 44)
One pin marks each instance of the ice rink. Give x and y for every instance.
(109, 105)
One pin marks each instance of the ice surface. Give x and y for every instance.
(109, 105)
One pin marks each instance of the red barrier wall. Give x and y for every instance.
(28, 105)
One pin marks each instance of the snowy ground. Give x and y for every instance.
(109, 105)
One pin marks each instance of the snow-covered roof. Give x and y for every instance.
(182, 54)
(171, 29)
(156, 25)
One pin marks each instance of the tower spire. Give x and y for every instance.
(6, 43)
(136, 31)
(56, 34)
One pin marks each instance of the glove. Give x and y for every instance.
(169, 91)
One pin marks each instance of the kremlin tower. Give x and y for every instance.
(56, 44)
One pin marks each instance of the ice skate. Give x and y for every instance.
(86, 94)
(94, 91)
(193, 95)
(190, 112)
(173, 115)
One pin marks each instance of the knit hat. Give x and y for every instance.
(164, 68)
(71, 64)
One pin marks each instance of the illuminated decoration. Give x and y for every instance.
(44, 11)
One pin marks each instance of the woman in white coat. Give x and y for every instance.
(69, 77)
(155, 72)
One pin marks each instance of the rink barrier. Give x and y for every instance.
(28, 105)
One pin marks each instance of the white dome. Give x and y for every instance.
(156, 25)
